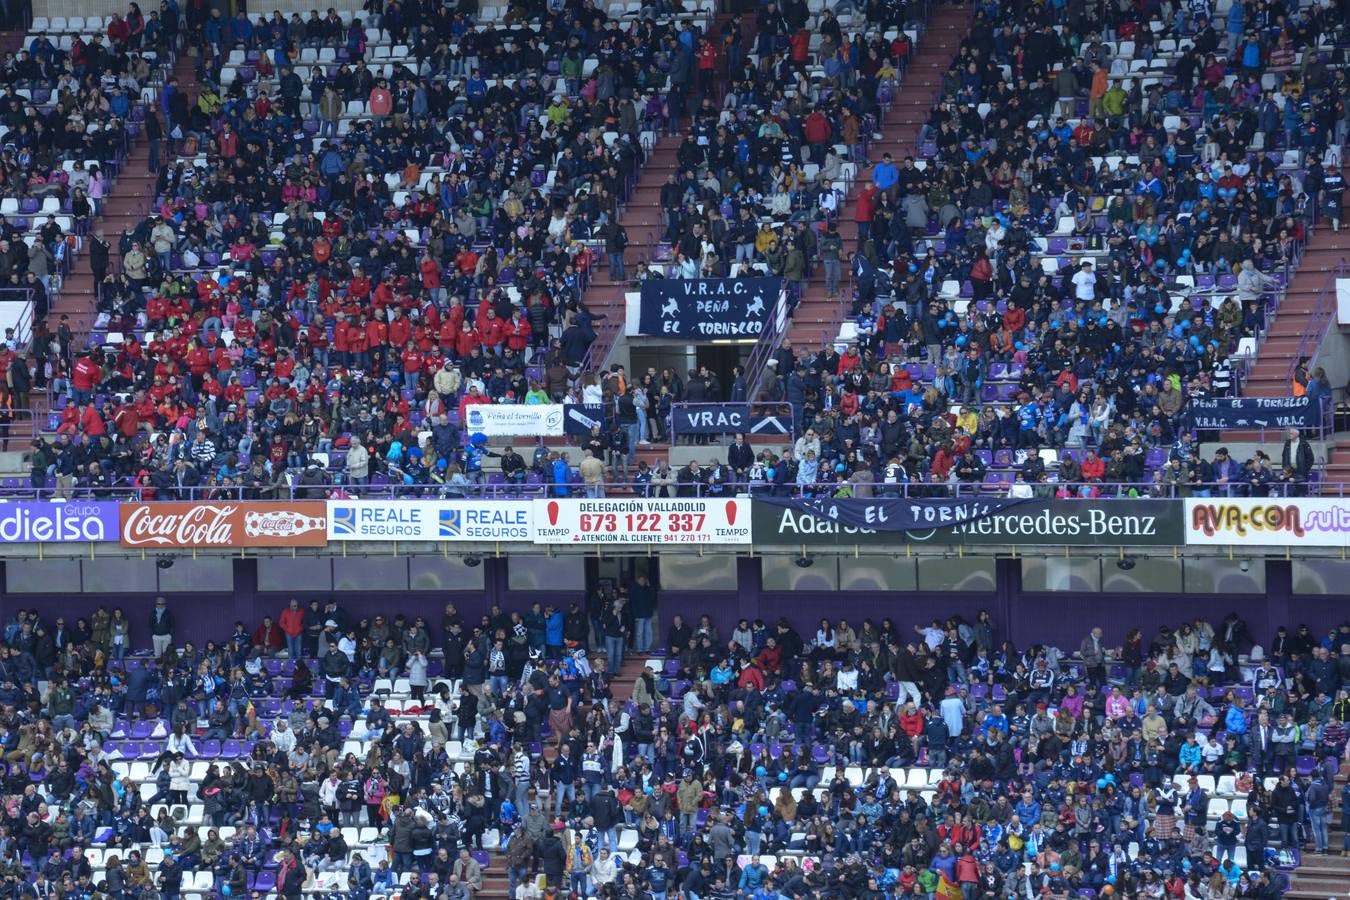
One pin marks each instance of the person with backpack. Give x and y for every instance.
(1318, 799)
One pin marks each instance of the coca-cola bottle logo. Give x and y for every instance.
(281, 523)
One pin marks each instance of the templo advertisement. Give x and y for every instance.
(642, 521)
(515, 419)
(430, 520)
(1268, 521)
(53, 522)
(247, 523)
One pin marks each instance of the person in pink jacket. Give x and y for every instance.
(1117, 705)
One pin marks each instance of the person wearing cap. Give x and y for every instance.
(161, 627)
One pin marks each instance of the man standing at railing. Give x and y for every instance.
(6, 415)
(1297, 455)
(85, 378)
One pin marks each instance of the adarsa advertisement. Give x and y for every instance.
(248, 523)
(1033, 522)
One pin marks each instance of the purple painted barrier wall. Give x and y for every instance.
(1058, 618)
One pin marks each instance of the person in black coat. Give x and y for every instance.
(161, 627)
(292, 879)
(740, 457)
(552, 858)
(138, 685)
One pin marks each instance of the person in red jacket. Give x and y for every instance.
(518, 332)
(800, 52)
(91, 422)
(491, 332)
(864, 211)
(1093, 467)
(912, 724)
(770, 659)
(85, 378)
(359, 287)
(447, 335)
(466, 341)
(377, 342)
(292, 624)
(358, 345)
(471, 397)
(267, 636)
(431, 279)
(750, 675)
(412, 365)
(707, 67)
(127, 420)
(817, 130)
(198, 361)
(400, 327)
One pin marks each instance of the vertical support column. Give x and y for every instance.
(1008, 597)
(1279, 597)
(496, 582)
(749, 588)
(245, 591)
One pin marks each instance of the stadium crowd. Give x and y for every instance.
(1071, 263)
(375, 226)
(1098, 222)
(757, 760)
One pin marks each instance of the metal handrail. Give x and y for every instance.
(486, 490)
(770, 339)
(20, 295)
(1315, 329)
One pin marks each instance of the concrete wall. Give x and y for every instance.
(1334, 356)
(85, 8)
(207, 603)
(68, 8)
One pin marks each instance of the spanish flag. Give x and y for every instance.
(947, 889)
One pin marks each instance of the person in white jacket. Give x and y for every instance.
(604, 870)
(180, 779)
(282, 736)
(358, 462)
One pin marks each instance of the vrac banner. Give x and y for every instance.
(1268, 521)
(642, 521)
(1254, 412)
(728, 418)
(515, 419)
(704, 309)
(579, 418)
(51, 522)
(1028, 522)
(429, 520)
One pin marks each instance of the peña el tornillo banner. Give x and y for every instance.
(705, 309)
(974, 521)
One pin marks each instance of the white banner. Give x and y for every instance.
(515, 419)
(430, 520)
(642, 521)
(1268, 521)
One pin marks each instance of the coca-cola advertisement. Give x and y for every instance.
(248, 523)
